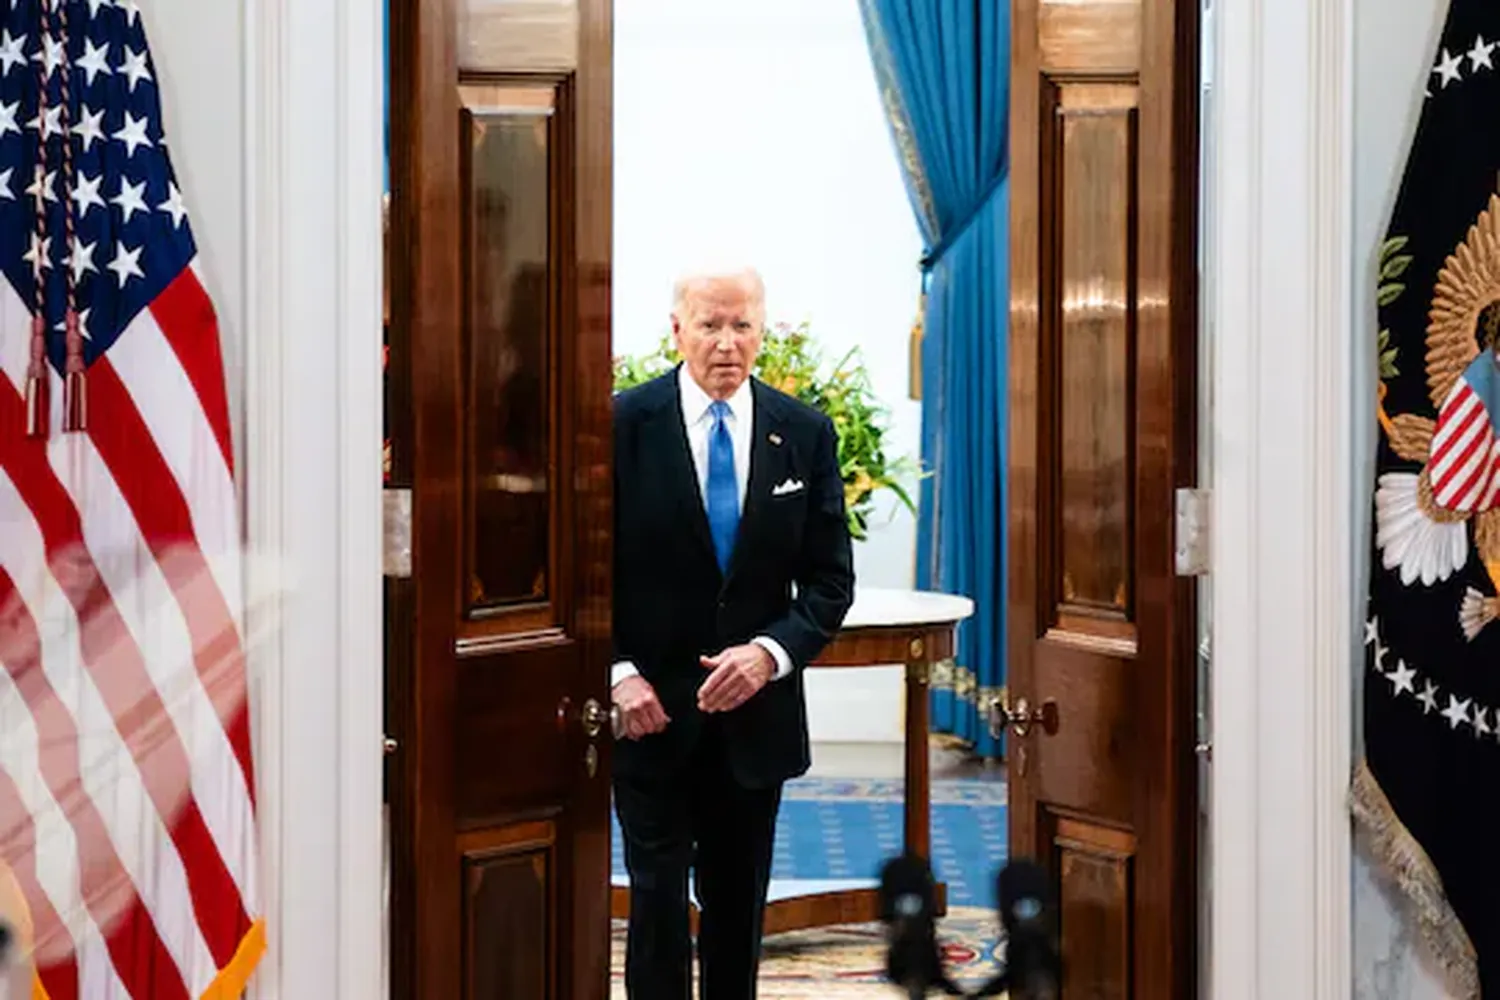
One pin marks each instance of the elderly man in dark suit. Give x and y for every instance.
(732, 571)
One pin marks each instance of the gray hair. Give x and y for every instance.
(748, 277)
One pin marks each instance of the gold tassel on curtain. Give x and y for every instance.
(914, 362)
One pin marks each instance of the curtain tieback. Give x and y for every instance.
(955, 232)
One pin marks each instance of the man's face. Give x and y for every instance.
(718, 329)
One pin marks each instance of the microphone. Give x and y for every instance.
(907, 905)
(1033, 964)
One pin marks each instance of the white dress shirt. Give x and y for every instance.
(699, 422)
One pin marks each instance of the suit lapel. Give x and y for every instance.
(768, 466)
(668, 440)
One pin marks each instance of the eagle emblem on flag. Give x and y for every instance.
(1423, 519)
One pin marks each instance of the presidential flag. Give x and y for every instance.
(127, 811)
(1425, 793)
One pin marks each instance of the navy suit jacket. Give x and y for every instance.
(672, 603)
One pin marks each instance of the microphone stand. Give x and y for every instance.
(914, 963)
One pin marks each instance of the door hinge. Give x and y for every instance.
(1191, 532)
(396, 533)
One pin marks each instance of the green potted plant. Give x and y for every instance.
(790, 361)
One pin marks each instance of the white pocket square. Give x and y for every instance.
(790, 486)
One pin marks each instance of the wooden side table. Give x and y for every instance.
(884, 626)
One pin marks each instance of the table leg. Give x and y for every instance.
(917, 800)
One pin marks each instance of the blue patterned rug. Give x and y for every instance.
(841, 829)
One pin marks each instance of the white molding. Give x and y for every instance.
(1279, 259)
(260, 474)
(312, 475)
(361, 172)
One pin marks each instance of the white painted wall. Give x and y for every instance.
(1394, 43)
(199, 53)
(753, 129)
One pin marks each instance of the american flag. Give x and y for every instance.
(1465, 462)
(127, 812)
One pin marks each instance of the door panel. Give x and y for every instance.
(1095, 144)
(1085, 763)
(512, 185)
(1094, 871)
(518, 35)
(1103, 318)
(500, 229)
(510, 912)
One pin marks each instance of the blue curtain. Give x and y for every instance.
(942, 67)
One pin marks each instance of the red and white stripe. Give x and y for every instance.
(126, 785)
(1465, 463)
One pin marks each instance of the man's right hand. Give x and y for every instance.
(640, 712)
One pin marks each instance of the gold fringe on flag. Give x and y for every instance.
(1399, 854)
(231, 981)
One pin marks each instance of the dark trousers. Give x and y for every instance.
(704, 821)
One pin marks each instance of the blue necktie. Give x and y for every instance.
(722, 497)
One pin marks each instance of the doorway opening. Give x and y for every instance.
(820, 209)
(545, 192)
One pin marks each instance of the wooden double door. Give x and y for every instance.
(500, 361)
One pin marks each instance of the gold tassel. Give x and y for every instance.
(914, 361)
(1408, 866)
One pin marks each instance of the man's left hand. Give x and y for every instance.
(738, 672)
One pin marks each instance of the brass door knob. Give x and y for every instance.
(1021, 716)
(591, 716)
(594, 716)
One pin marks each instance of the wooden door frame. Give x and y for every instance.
(424, 218)
(1287, 511)
(310, 472)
